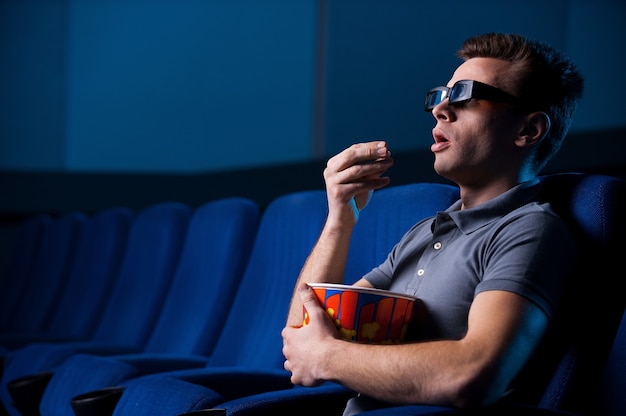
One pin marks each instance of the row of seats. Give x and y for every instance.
(116, 282)
(172, 310)
(188, 289)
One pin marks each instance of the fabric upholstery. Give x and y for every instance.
(17, 271)
(250, 342)
(216, 248)
(93, 272)
(299, 401)
(592, 204)
(151, 254)
(49, 275)
(112, 370)
(147, 398)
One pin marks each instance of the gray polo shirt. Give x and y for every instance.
(511, 243)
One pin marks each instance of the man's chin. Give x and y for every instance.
(444, 171)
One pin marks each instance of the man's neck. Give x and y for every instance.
(472, 196)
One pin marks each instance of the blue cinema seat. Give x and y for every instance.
(259, 367)
(216, 250)
(16, 273)
(94, 270)
(250, 342)
(592, 205)
(152, 251)
(48, 275)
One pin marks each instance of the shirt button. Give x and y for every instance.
(420, 272)
(437, 245)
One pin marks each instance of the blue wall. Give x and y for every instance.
(198, 86)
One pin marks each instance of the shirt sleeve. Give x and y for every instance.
(531, 255)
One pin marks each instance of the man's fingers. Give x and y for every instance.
(360, 153)
(307, 296)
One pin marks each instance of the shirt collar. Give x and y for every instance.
(469, 220)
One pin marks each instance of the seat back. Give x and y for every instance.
(289, 228)
(592, 205)
(216, 249)
(94, 271)
(17, 272)
(152, 253)
(48, 276)
(217, 246)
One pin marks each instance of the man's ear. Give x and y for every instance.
(536, 127)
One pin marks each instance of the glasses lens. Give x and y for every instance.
(460, 91)
(434, 97)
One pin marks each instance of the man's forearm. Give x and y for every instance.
(326, 263)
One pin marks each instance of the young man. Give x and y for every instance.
(489, 270)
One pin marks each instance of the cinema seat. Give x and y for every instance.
(48, 276)
(250, 341)
(216, 250)
(21, 258)
(93, 272)
(151, 255)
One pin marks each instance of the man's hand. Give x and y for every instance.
(305, 348)
(352, 175)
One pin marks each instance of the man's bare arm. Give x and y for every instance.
(504, 329)
(350, 178)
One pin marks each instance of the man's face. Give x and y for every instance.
(475, 140)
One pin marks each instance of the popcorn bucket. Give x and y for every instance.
(365, 315)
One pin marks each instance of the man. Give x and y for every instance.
(489, 270)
